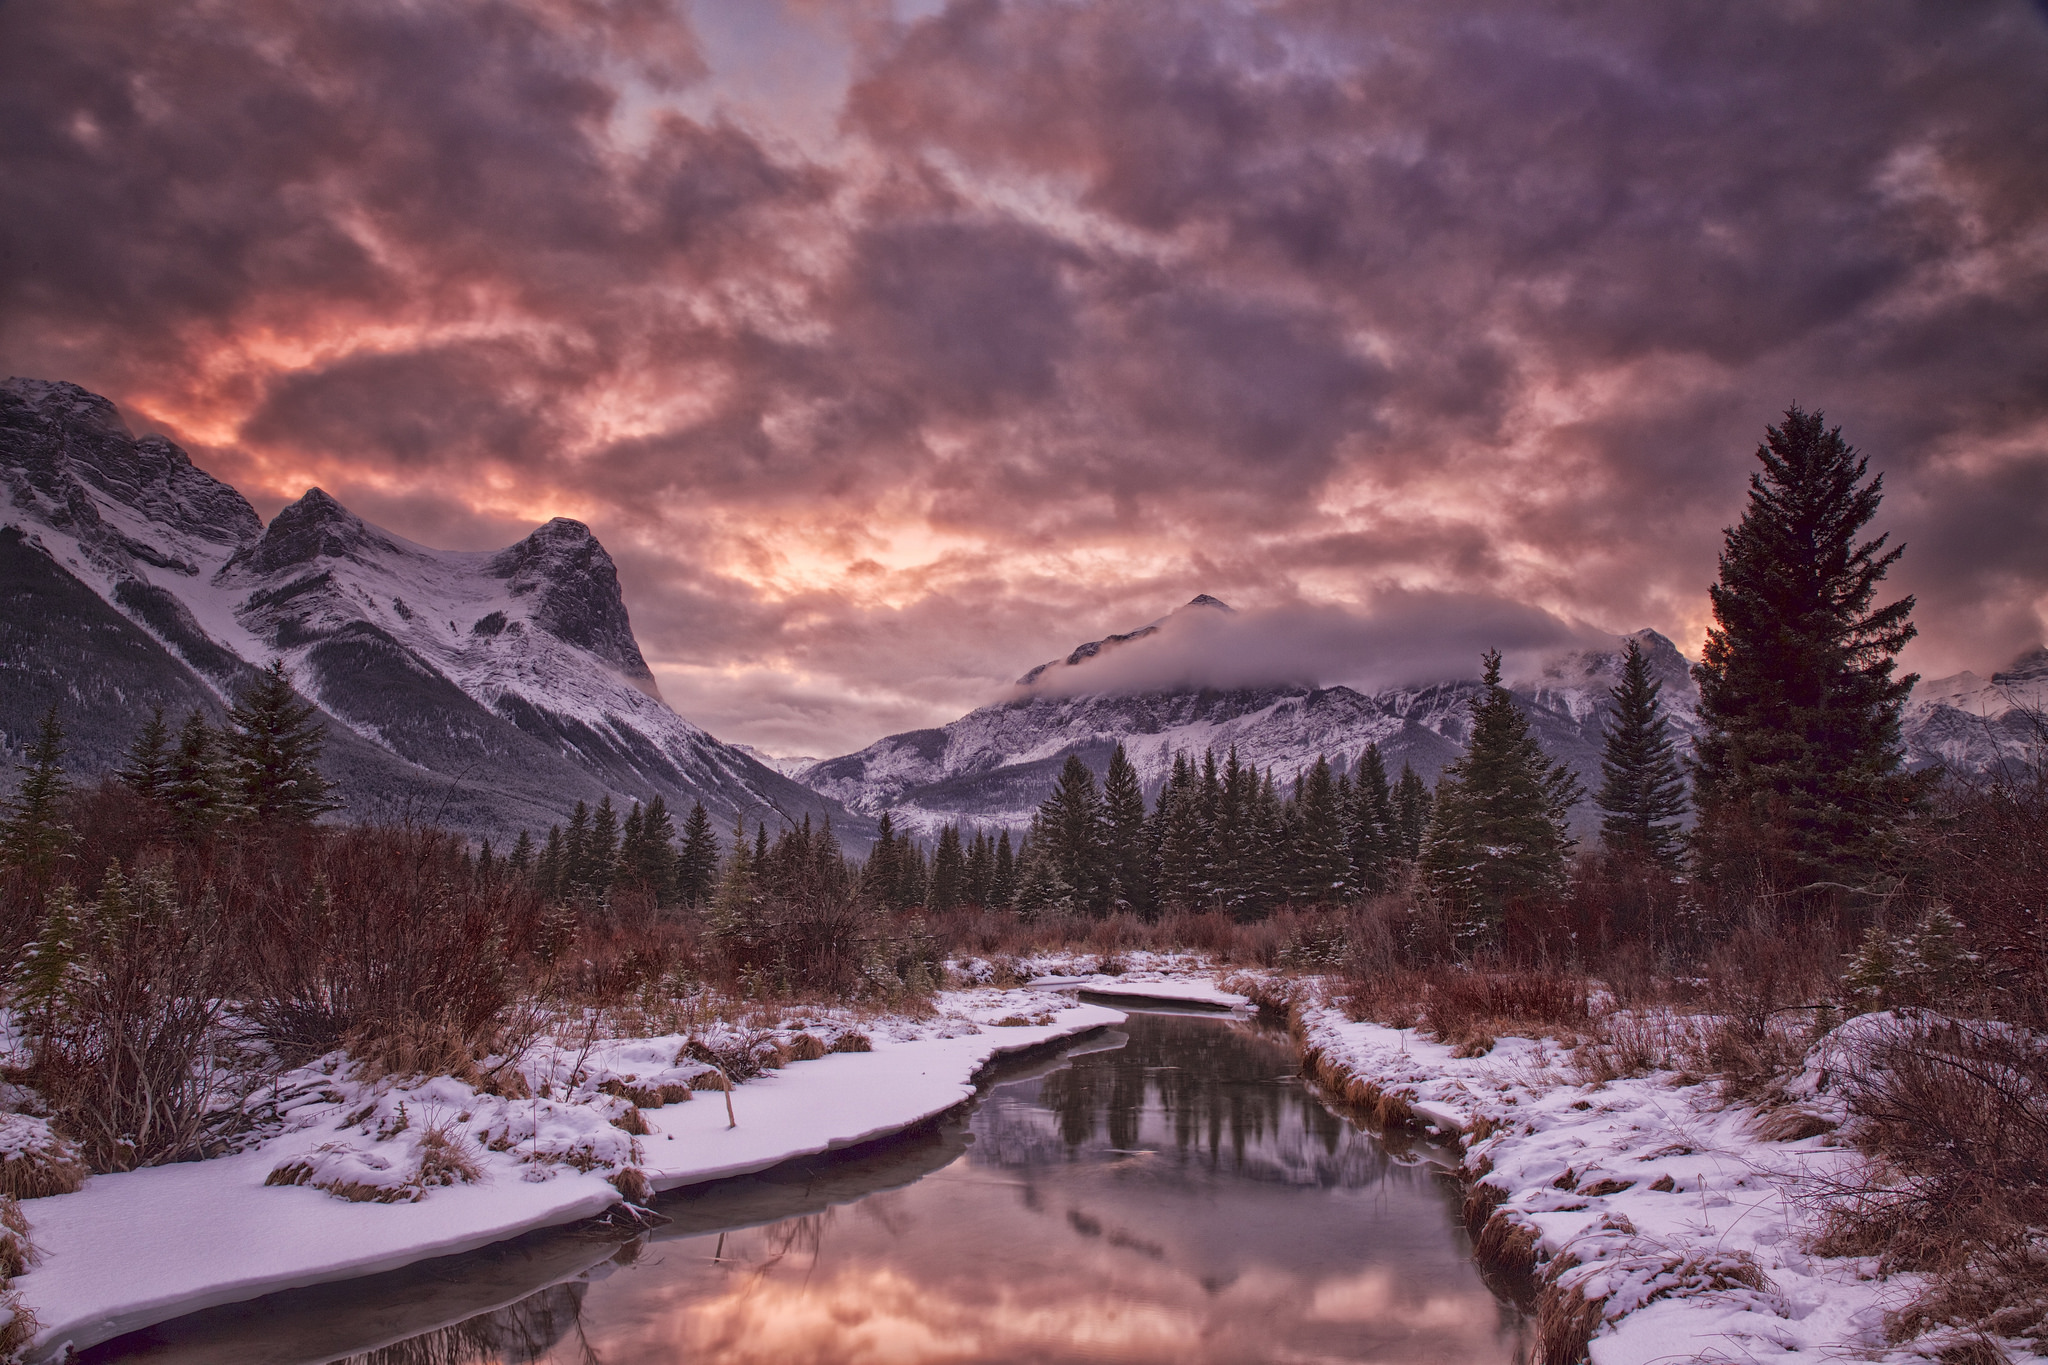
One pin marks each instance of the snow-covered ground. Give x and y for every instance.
(1673, 1221)
(145, 1246)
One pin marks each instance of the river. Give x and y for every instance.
(1167, 1191)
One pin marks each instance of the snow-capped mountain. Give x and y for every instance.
(1978, 724)
(490, 691)
(994, 765)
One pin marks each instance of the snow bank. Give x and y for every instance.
(1138, 988)
(1661, 1218)
(145, 1246)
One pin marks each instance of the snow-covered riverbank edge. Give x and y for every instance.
(1647, 1219)
(142, 1247)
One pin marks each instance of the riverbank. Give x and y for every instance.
(355, 1175)
(1644, 1219)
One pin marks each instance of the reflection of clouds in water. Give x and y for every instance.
(1096, 1310)
(1255, 1227)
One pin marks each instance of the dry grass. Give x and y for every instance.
(1955, 1118)
(40, 1163)
(442, 1155)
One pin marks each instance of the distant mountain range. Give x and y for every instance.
(995, 764)
(485, 691)
(491, 691)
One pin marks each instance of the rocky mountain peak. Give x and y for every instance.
(314, 527)
(59, 400)
(579, 599)
(2030, 667)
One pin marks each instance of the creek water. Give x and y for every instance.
(1169, 1190)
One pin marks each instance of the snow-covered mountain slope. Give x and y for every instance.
(994, 765)
(1978, 724)
(490, 691)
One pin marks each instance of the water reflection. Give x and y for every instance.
(1178, 1197)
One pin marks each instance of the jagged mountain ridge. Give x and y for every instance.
(995, 764)
(486, 690)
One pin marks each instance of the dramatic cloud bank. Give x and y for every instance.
(892, 347)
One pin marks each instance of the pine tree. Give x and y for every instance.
(1798, 776)
(601, 850)
(551, 873)
(697, 863)
(829, 860)
(33, 835)
(949, 872)
(576, 851)
(1002, 881)
(520, 860)
(1497, 834)
(1127, 852)
(48, 974)
(654, 864)
(1375, 835)
(1642, 791)
(882, 875)
(1069, 828)
(273, 752)
(196, 788)
(146, 770)
(981, 869)
(1321, 872)
(1412, 804)
(1182, 836)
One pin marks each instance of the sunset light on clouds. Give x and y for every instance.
(893, 348)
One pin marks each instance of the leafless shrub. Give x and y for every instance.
(1955, 1116)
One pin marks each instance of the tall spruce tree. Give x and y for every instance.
(1798, 777)
(1412, 802)
(146, 768)
(949, 871)
(1070, 830)
(1375, 835)
(981, 868)
(1181, 832)
(697, 863)
(1497, 832)
(1642, 790)
(1002, 878)
(196, 788)
(1127, 845)
(273, 752)
(1321, 871)
(33, 834)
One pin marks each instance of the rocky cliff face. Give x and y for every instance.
(490, 691)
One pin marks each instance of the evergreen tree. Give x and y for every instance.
(49, 973)
(520, 860)
(1497, 834)
(1002, 881)
(1412, 803)
(881, 876)
(196, 786)
(829, 860)
(601, 850)
(1233, 796)
(949, 871)
(1321, 872)
(576, 851)
(1127, 851)
(1798, 776)
(1375, 834)
(697, 864)
(33, 835)
(146, 770)
(654, 864)
(981, 868)
(273, 752)
(550, 874)
(1642, 791)
(1069, 830)
(1182, 836)
(630, 850)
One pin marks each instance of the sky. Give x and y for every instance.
(893, 348)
